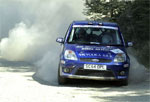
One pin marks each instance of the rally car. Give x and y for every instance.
(93, 50)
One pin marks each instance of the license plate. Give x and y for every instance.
(94, 67)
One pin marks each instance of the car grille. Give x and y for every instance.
(95, 60)
(95, 73)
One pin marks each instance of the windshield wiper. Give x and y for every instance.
(94, 43)
(86, 43)
(89, 43)
(112, 44)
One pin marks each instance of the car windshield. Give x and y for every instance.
(94, 35)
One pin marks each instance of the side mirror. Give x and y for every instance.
(129, 44)
(60, 40)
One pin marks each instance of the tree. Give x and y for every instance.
(134, 23)
(104, 9)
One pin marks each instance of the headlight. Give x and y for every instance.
(120, 58)
(70, 55)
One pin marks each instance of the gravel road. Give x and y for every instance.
(18, 84)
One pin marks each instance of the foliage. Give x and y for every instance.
(134, 23)
(101, 9)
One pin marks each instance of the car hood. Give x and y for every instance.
(95, 51)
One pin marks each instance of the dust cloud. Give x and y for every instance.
(29, 30)
(138, 72)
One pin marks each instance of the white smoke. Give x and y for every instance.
(52, 17)
(15, 47)
(33, 38)
(138, 72)
(47, 67)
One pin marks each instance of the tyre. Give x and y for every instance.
(61, 80)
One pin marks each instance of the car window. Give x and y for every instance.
(91, 35)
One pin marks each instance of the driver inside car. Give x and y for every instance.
(81, 35)
(107, 37)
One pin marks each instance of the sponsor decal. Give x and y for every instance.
(96, 26)
(87, 48)
(79, 46)
(97, 54)
(108, 55)
(116, 51)
(95, 48)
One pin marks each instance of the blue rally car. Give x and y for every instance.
(93, 50)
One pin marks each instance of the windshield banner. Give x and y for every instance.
(96, 26)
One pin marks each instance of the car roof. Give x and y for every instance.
(95, 23)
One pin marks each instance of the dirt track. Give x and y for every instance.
(18, 84)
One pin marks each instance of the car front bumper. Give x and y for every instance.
(114, 68)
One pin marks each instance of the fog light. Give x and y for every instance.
(126, 65)
(66, 70)
(122, 73)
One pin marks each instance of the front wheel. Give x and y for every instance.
(61, 80)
